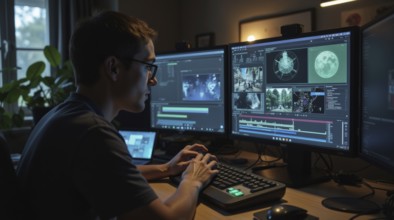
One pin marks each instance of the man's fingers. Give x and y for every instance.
(184, 163)
(208, 157)
(212, 164)
(197, 147)
(199, 157)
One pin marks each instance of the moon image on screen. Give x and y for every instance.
(326, 64)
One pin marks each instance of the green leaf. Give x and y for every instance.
(48, 81)
(35, 82)
(6, 87)
(25, 92)
(35, 70)
(22, 81)
(53, 56)
(14, 95)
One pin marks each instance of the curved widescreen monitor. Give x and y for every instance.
(189, 96)
(297, 91)
(377, 124)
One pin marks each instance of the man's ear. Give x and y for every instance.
(111, 68)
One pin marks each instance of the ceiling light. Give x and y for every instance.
(334, 2)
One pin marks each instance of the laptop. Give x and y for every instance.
(140, 145)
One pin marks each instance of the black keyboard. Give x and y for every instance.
(234, 188)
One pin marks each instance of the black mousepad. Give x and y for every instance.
(262, 215)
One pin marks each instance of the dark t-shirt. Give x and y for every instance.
(75, 165)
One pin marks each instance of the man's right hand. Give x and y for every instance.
(201, 170)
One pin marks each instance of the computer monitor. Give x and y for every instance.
(377, 124)
(189, 97)
(297, 92)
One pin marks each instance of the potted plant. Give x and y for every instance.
(46, 92)
(37, 92)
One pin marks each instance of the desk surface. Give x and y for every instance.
(309, 198)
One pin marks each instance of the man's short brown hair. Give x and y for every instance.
(107, 34)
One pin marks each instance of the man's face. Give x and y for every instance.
(134, 86)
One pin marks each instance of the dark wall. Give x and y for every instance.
(163, 16)
(178, 20)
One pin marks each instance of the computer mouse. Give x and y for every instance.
(286, 212)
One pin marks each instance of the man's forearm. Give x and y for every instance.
(154, 171)
(184, 200)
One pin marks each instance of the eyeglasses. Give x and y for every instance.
(152, 68)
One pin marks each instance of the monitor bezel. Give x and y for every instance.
(196, 133)
(368, 157)
(354, 88)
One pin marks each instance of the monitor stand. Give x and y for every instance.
(298, 172)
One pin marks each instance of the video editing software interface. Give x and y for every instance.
(190, 91)
(377, 125)
(293, 90)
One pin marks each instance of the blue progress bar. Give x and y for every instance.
(185, 110)
(285, 136)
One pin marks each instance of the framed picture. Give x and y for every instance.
(205, 40)
(270, 26)
(361, 16)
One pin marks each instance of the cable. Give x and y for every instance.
(382, 181)
(260, 154)
(368, 211)
(378, 188)
(369, 194)
(344, 178)
(273, 154)
(329, 164)
(340, 177)
(259, 151)
(387, 208)
(361, 169)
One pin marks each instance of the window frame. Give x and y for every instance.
(7, 34)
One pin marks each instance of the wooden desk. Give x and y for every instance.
(309, 198)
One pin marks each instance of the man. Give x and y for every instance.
(75, 164)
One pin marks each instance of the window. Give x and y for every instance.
(24, 32)
(31, 32)
(29, 24)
